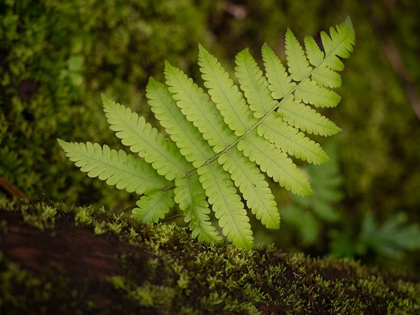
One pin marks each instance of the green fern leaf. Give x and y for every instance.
(292, 141)
(280, 82)
(145, 140)
(296, 59)
(188, 139)
(115, 167)
(153, 207)
(197, 108)
(253, 187)
(253, 84)
(315, 55)
(191, 197)
(305, 118)
(284, 137)
(241, 179)
(311, 93)
(276, 164)
(225, 94)
(324, 76)
(340, 44)
(227, 205)
(246, 176)
(187, 136)
(225, 138)
(188, 192)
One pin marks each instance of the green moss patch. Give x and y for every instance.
(85, 260)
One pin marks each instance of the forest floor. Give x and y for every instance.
(58, 259)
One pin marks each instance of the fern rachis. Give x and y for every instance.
(220, 140)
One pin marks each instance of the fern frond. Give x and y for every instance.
(292, 141)
(324, 76)
(305, 118)
(153, 207)
(224, 93)
(315, 55)
(225, 138)
(218, 82)
(227, 205)
(192, 146)
(115, 167)
(188, 139)
(254, 188)
(198, 109)
(246, 176)
(253, 84)
(296, 59)
(191, 197)
(284, 137)
(276, 164)
(311, 93)
(280, 82)
(189, 193)
(339, 45)
(145, 140)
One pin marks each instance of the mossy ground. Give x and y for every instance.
(59, 259)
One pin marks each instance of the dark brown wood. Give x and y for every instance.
(11, 189)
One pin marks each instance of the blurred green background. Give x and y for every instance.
(56, 57)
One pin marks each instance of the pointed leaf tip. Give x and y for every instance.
(349, 23)
(264, 46)
(62, 143)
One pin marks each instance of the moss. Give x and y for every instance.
(57, 58)
(161, 269)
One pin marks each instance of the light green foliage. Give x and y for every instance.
(225, 137)
(191, 197)
(306, 119)
(153, 207)
(115, 167)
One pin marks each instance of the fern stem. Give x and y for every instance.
(168, 187)
(171, 218)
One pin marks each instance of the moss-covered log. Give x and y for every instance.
(59, 259)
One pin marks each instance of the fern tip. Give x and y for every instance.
(152, 80)
(348, 21)
(104, 98)
(168, 64)
(264, 47)
(62, 143)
